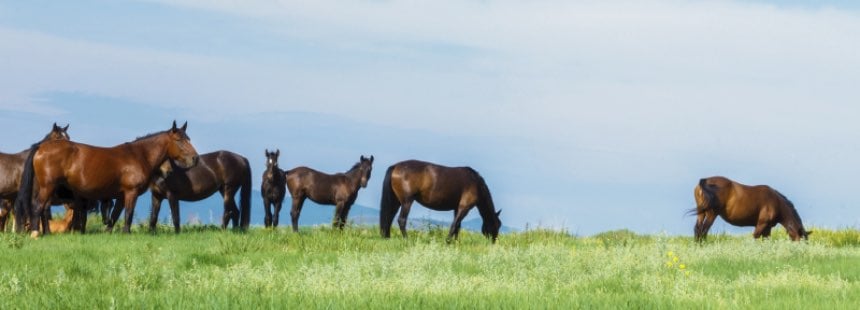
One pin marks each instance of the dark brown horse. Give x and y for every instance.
(123, 171)
(273, 188)
(222, 171)
(743, 205)
(339, 189)
(439, 188)
(11, 167)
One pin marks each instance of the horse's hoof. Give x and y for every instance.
(34, 235)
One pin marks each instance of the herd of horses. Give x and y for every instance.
(59, 171)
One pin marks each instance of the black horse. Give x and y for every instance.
(273, 188)
(339, 189)
(222, 171)
(439, 188)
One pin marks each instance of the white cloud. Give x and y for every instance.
(611, 91)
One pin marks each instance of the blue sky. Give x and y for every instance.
(590, 116)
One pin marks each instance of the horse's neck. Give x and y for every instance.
(152, 150)
(354, 176)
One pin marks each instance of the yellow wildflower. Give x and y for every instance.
(682, 266)
(670, 254)
(675, 259)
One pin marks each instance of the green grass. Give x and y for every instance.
(320, 268)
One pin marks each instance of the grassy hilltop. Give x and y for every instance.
(320, 268)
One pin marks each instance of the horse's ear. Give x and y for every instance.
(66, 128)
(498, 212)
(371, 159)
(184, 126)
(173, 129)
(267, 152)
(277, 152)
(362, 158)
(55, 126)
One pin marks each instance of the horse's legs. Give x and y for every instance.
(337, 221)
(105, 208)
(42, 201)
(267, 206)
(454, 232)
(114, 216)
(130, 200)
(278, 205)
(404, 216)
(174, 212)
(231, 211)
(703, 224)
(344, 214)
(760, 227)
(296, 210)
(4, 214)
(386, 219)
(153, 212)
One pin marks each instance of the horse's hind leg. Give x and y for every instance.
(4, 214)
(114, 216)
(298, 202)
(231, 211)
(404, 216)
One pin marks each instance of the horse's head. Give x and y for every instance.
(180, 150)
(491, 227)
(272, 159)
(365, 166)
(58, 133)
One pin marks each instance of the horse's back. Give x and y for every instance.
(434, 186)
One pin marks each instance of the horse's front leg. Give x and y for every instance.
(130, 201)
(174, 212)
(454, 232)
(267, 206)
(155, 208)
(277, 215)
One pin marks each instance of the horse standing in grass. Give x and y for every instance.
(339, 189)
(222, 171)
(98, 173)
(11, 168)
(743, 205)
(438, 188)
(273, 188)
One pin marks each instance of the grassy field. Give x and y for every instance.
(319, 268)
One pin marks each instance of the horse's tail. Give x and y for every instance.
(388, 205)
(24, 201)
(245, 197)
(706, 199)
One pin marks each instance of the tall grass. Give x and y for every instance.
(355, 268)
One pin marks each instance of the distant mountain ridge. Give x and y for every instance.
(209, 211)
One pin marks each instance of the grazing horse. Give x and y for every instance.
(220, 171)
(273, 188)
(11, 167)
(123, 171)
(439, 188)
(743, 205)
(339, 189)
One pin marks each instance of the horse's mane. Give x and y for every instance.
(795, 218)
(150, 135)
(484, 191)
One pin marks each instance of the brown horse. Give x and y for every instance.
(220, 171)
(11, 167)
(123, 171)
(439, 188)
(273, 188)
(743, 205)
(339, 189)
